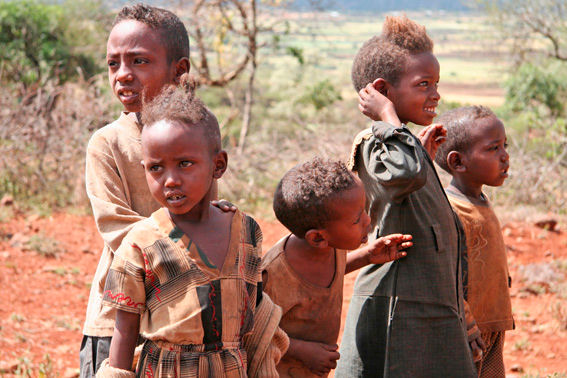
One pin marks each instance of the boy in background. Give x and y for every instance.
(147, 49)
(475, 155)
(322, 204)
(406, 318)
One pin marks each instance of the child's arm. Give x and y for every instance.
(380, 251)
(373, 104)
(318, 357)
(476, 342)
(124, 339)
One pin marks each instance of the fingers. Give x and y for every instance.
(224, 205)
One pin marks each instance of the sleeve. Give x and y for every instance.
(394, 159)
(125, 284)
(267, 342)
(473, 332)
(112, 212)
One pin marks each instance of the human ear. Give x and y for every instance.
(221, 163)
(381, 86)
(316, 238)
(455, 162)
(181, 67)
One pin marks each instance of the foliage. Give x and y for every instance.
(43, 140)
(43, 42)
(321, 94)
(531, 87)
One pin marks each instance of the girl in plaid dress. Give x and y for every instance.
(187, 277)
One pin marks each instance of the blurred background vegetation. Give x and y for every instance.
(282, 92)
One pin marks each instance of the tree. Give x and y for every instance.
(535, 28)
(226, 38)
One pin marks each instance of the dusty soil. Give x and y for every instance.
(44, 298)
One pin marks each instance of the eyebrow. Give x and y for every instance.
(130, 53)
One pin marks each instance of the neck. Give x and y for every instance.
(301, 248)
(460, 186)
(201, 213)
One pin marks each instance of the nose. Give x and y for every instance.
(172, 180)
(505, 156)
(435, 94)
(124, 73)
(366, 221)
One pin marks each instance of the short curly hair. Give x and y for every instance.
(303, 195)
(171, 28)
(179, 104)
(385, 56)
(458, 122)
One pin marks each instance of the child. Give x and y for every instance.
(187, 276)
(322, 204)
(475, 155)
(147, 49)
(405, 318)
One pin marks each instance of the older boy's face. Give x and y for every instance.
(486, 161)
(415, 97)
(137, 62)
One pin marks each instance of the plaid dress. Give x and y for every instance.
(193, 313)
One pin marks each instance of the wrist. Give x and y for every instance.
(389, 115)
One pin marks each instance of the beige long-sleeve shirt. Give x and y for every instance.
(119, 196)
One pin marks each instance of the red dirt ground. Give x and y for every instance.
(44, 298)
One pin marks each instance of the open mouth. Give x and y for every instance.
(364, 239)
(127, 95)
(430, 109)
(174, 198)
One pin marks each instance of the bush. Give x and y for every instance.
(42, 42)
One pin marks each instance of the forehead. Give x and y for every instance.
(343, 202)
(174, 137)
(487, 129)
(132, 35)
(421, 65)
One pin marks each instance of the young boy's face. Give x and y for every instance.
(415, 96)
(138, 64)
(486, 161)
(350, 223)
(180, 166)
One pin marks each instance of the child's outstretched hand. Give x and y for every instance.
(388, 248)
(318, 357)
(432, 137)
(224, 205)
(375, 105)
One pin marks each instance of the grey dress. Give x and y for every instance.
(406, 318)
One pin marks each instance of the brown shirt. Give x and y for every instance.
(119, 196)
(310, 312)
(488, 276)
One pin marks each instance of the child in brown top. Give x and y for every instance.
(322, 204)
(187, 277)
(147, 49)
(475, 155)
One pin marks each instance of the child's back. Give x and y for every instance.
(406, 318)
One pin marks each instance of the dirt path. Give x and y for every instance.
(44, 298)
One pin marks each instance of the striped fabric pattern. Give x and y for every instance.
(194, 314)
